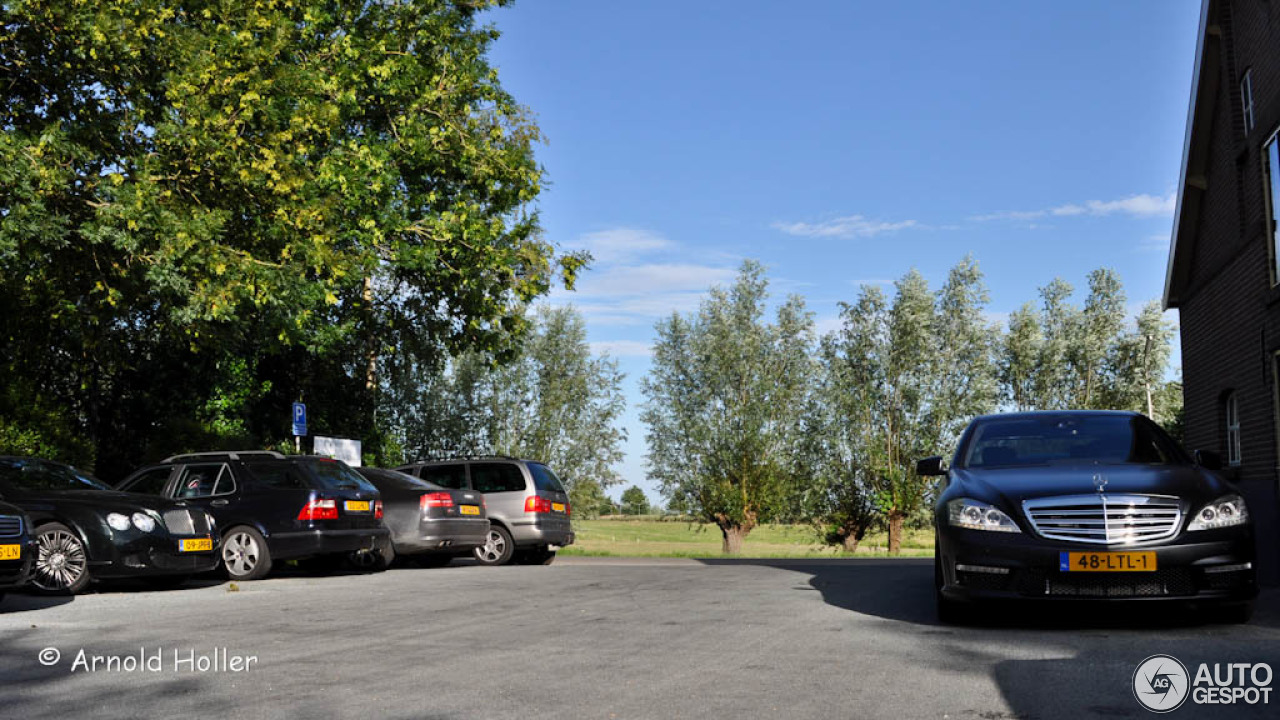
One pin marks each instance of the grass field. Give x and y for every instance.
(653, 537)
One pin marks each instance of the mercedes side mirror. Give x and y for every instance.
(1208, 460)
(931, 466)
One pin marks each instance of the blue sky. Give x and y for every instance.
(846, 143)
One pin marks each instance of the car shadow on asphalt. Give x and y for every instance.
(16, 602)
(902, 590)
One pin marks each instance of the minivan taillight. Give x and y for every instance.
(537, 504)
(435, 499)
(318, 509)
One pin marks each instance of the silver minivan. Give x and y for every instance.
(527, 506)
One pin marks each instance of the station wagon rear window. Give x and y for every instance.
(332, 475)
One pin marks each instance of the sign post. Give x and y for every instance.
(299, 425)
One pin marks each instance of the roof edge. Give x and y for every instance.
(1170, 298)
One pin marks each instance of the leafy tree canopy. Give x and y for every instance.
(183, 182)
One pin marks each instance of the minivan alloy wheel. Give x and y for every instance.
(497, 549)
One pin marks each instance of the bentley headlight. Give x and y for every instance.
(974, 515)
(1223, 512)
(118, 522)
(144, 522)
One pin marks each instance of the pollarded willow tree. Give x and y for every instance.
(724, 403)
(210, 209)
(902, 377)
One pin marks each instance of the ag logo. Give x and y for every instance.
(1160, 683)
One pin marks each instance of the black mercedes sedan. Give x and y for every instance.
(84, 530)
(429, 523)
(17, 549)
(1086, 505)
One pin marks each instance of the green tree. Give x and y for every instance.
(909, 372)
(964, 371)
(1099, 324)
(301, 184)
(724, 400)
(838, 447)
(1019, 354)
(555, 402)
(634, 501)
(1137, 365)
(1059, 325)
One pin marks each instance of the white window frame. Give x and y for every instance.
(1271, 201)
(1232, 407)
(1246, 100)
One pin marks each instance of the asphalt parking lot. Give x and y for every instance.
(594, 638)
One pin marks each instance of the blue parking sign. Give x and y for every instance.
(299, 419)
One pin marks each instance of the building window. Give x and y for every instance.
(1233, 430)
(1246, 100)
(1271, 175)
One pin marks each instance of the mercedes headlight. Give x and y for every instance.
(975, 515)
(1223, 512)
(144, 522)
(118, 522)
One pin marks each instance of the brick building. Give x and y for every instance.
(1223, 274)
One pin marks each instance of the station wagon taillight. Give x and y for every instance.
(318, 509)
(537, 504)
(435, 499)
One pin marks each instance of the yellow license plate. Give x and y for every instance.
(558, 507)
(10, 552)
(356, 505)
(1107, 562)
(196, 545)
(469, 509)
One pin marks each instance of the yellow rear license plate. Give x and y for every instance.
(356, 505)
(1107, 562)
(196, 545)
(469, 509)
(557, 507)
(10, 552)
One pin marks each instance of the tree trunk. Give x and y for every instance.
(850, 544)
(896, 521)
(733, 537)
(371, 352)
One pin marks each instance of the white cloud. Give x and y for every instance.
(872, 281)
(639, 277)
(1152, 243)
(1134, 206)
(621, 244)
(1011, 215)
(850, 226)
(622, 348)
(653, 279)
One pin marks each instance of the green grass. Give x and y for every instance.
(654, 537)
